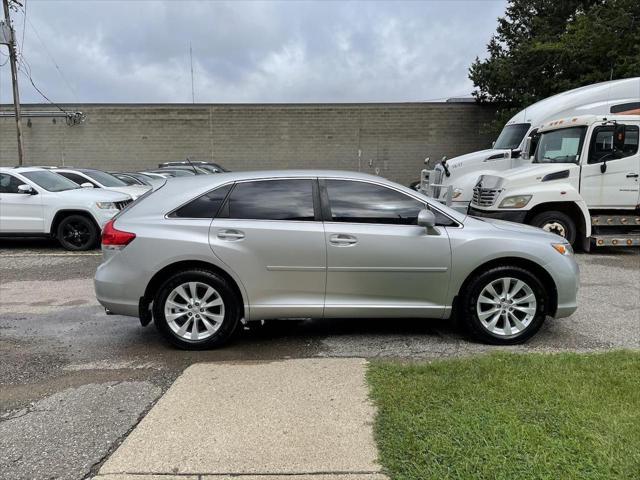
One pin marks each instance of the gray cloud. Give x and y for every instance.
(137, 51)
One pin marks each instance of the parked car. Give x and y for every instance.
(202, 254)
(37, 202)
(131, 178)
(177, 172)
(211, 167)
(92, 178)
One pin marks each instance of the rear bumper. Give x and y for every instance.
(517, 216)
(119, 287)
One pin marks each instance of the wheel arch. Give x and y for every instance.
(164, 273)
(62, 214)
(545, 278)
(572, 209)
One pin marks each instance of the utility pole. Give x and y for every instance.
(11, 43)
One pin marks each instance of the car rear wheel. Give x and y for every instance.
(504, 306)
(77, 232)
(196, 310)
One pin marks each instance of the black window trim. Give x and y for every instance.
(326, 207)
(594, 135)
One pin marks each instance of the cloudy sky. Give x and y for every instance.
(289, 51)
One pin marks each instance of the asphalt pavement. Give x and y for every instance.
(74, 381)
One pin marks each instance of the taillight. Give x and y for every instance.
(114, 238)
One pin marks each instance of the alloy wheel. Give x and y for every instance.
(506, 307)
(76, 234)
(194, 311)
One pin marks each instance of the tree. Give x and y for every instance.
(543, 47)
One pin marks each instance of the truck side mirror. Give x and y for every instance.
(525, 153)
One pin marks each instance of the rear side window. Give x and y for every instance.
(290, 199)
(205, 206)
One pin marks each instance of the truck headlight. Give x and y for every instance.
(517, 201)
(106, 205)
(456, 192)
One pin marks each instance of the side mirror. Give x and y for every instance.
(525, 153)
(26, 189)
(493, 144)
(603, 166)
(515, 153)
(86, 185)
(426, 219)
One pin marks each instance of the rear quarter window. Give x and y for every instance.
(204, 206)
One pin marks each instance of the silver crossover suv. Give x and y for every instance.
(200, 255)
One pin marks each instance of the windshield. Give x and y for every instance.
(560, 146)
(50, 181)
(105, 179)
(512, 135)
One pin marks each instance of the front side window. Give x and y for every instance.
(560, 146)
(512, 135)
(287, 199)
(602, 147)
(9, 183)
(50, 181)
(362, 202)
(104, 178)
(205, 206)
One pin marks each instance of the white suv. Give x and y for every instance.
(38, 202)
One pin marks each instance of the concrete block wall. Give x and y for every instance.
(389, 139)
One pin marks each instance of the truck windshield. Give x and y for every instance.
(50, 181)
(560, 146)
(512, 135)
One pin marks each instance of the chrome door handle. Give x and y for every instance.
(632, 175)
(230, 235)
(342, 240)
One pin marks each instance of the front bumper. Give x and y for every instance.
(566, 275)
(517, 216)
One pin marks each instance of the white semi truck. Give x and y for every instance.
(452, 181)
(582, 181)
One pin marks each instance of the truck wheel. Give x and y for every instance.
(77, 232)
(505, 305)
(556, 222)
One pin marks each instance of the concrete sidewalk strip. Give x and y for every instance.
(308, 419)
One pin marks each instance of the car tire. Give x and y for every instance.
(556, 222)
(77, 233)
(526, 299)
(177, 310)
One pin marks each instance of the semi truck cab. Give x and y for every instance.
(582, 182)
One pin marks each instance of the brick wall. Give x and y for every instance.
(393, 139)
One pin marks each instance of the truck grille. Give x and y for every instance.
(122, 204)
(485, 197)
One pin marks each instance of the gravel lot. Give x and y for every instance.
(74, 381)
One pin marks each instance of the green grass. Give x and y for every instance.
(508, 416)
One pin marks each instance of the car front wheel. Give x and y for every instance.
(196, 310)
(77, 232)
(504, 306)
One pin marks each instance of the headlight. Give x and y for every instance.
(517, 201)
(456, 192)
(563, 249)
(106, 205)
